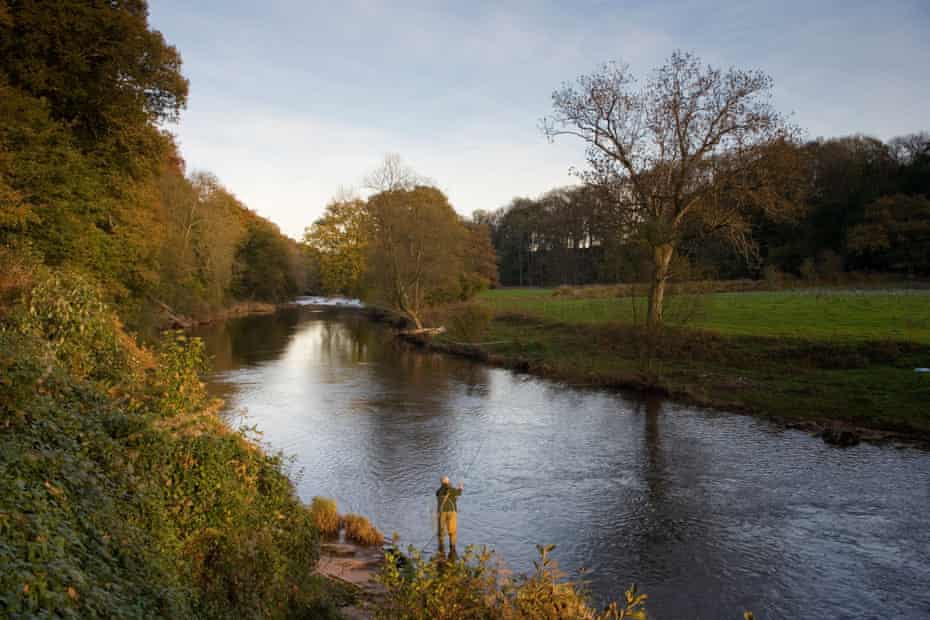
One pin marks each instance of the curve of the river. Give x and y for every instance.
(709, 513)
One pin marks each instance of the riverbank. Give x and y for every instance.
(353, 570)
(122, 491)
(166, 318)
(844, 392)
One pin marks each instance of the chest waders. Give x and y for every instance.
(448, 523)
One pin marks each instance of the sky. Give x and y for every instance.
(291, 101)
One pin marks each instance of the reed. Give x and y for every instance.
(324, 515)
(361, 531)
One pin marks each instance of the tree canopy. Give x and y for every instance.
(89, 180)
(416, 249)
(403, 247)
(338, 242)
(101, 69)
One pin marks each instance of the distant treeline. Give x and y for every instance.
(89, 180)
(867, 210)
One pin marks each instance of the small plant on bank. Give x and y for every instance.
(20, 264)
(773, 276)
(66, 310)
(325, 516)
(808, 270)
(469, 322)
(466, 322)
(360, 530)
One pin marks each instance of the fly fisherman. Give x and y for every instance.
(446, 498)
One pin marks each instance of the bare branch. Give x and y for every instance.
(693, 142)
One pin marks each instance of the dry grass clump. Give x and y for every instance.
(324, 516)
(361, 531)
(329, 523)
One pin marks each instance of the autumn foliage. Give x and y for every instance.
(404, 247)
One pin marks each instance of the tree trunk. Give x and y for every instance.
(412, 314)
(662, 258)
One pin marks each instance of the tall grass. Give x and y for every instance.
(360, 530)
(325, 516)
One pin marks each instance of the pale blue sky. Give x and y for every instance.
(290, 100)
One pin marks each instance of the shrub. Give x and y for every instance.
(429, 589)
(829, 265)
(884, 351)
(360, 530)
(18, 266)
(473, 586)
(65, 310)
(324, 516)
(121, 492)
(469, 322)
(773, 275)
(808, 269)
(175, 386)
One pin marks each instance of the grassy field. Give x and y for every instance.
(806, 355)
(818, 314)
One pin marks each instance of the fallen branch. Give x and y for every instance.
(174, 320)
(427, 331)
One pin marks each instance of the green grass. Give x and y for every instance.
(814, 354)
(858, 383)
(818, 314)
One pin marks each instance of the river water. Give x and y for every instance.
(709, 513)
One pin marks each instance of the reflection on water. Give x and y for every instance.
(709, 513)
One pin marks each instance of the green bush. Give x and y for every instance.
(473, 586)
(175, 384)
(122, 494)
(468, 322)
(65, 310)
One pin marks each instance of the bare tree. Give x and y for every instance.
(393, 174)
(694, 147)
(906, 149)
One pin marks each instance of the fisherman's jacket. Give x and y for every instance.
(446, 498)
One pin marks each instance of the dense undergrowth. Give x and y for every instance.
(121, 492)
(476, 587)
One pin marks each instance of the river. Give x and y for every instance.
(709, 513)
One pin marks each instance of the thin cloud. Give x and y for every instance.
(291, 100)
